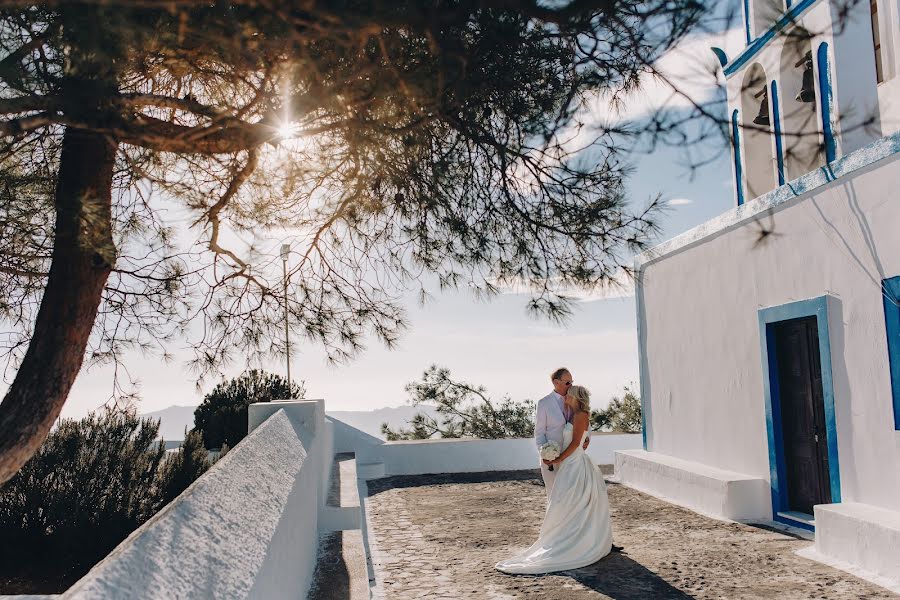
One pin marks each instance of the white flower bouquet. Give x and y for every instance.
(550, 451)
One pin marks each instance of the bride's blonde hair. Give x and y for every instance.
(582, 396)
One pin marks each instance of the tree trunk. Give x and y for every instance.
(83, 256)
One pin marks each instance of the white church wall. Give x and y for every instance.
(889, 89)
(701, 357)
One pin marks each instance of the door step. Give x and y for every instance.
(799, 517)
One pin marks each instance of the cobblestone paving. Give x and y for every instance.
(438, 536)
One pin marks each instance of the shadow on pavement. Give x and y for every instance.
(331, 580)
(406, 481)
(618, 577)
(621, 578)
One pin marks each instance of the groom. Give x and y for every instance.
(552, 415)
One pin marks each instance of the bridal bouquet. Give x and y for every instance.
(550, 451)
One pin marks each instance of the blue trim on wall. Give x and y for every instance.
(788, 18)
(827, 100)
(645, 402)
(747, 21)
(890, 289)
(643, 365)
(738, 169)
(643, 423)
(720, 54)
(768, 317)
(779, 153)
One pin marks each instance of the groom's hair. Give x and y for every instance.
(557, 374)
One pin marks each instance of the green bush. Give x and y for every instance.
(623, 414)
(90, 484)
(222, 416)
(187, 465)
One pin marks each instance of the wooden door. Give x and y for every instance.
(802, 414)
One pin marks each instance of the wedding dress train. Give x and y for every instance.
(576, 531)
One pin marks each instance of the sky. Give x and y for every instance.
(490, 343)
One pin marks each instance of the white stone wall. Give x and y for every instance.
(471, 456)
(698, 298)
(246, 529)
(377, 458)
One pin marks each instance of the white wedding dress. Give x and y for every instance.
(576, 531)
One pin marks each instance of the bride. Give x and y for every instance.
(576, 530)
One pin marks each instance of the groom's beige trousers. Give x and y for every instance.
(549, 477)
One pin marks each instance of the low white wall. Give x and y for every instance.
(859, 536)
(245, 529)
(350, 439)
(376, 458)
(714, 492)
(473, 455)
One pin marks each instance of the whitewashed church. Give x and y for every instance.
(769, 337)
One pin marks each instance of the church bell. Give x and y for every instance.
(807, 89)
(763, 117)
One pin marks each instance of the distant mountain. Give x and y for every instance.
(175, 419)
(370, 420)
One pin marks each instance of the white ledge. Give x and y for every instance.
(714, 492)
(861, 539)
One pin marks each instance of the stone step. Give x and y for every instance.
(342, 509)
(341, 572)
(343, 490)
(798, 517)
(864, 536)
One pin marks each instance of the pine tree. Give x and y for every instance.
(393, 136)
(221, 418)
(186, 466)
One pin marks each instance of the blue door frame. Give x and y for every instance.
(768, 318)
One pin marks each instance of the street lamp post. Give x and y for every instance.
(285, 252)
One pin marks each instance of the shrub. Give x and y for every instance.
(222, 416)
(622, 415)
(188, 464)
(91, 483)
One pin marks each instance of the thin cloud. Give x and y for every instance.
(679, 202)
(621, 286)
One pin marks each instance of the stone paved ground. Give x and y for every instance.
(438, 536)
